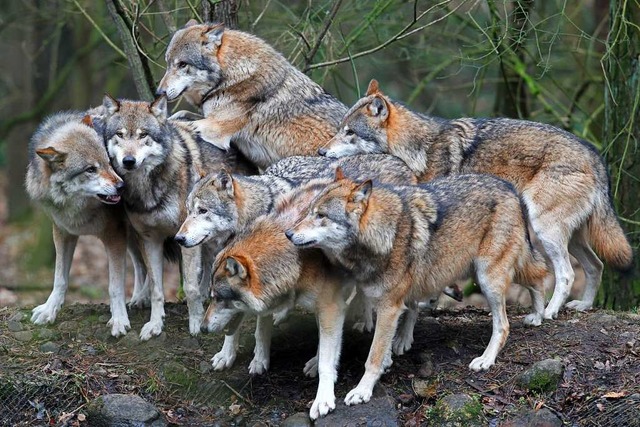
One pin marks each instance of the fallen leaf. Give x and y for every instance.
(539, 405)
(234, 409)
(598, 365)
(600, 407)
(615, 395)
(82, 417)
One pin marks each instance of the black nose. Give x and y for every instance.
(322, 151)
(181, 239)
(203, 328)
(289, 234)
(129, 162)
(120, 186)
(161, 92)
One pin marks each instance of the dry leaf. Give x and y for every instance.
(539, 405)
(82, 417)
(600, 407)
(598, 365)
(234, 409)
(615, 395)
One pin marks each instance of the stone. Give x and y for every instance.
(18, 316)
(23, 336)
(456, 410)
(299, 419)
(543, 376)
(426, 369)
(46, 334)
(14, 326)
(205, 367)
(49, 347)
(423, 388)
(604, 318)
(532, 418)
(68, 326)
(378, 412)
(405, 398)
(132, 339)
(104, 318)
(123, 410)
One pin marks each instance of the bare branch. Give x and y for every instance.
(327, 24)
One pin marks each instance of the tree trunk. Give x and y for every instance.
(622, 132)
(225, 11)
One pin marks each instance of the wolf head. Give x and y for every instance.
(364, 128)
(193, 68)
(256, 272)
(136, 133)
(78, 165)
(333, 219)
(222, 315)
(212, 211)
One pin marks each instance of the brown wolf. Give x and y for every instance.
(562, 179)
(248, 92)
(402, 244)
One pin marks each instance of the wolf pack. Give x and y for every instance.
(277, 196)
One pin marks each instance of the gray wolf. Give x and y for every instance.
(562, 179)
(159, 161)
(404, 244)
(70, 177)
(248, 92)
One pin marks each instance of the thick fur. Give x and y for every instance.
(404, 244)
(160, 160)
(248, 92)
(562, 179)
(70, 177)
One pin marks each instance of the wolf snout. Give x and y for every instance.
(322, 151)
(289, 234)
(119, 186)
(161, 91)
(129, 162)
(181, 239)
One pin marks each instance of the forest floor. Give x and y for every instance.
(49, 373)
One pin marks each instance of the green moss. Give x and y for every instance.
(471, 413)
(543, 381)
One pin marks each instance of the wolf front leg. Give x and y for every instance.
(65, 245)
(116, 245)
(330, 313)
(262, 352)
(141, 295)
(386, 324)
(192, 271)
(153, 258)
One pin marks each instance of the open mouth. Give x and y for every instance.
(306, 244)
(109, 199)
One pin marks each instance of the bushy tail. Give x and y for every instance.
(608, 238)
(532, 268)
(171, 249)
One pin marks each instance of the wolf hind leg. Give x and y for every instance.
(65, 245)
(404, 336)
(592, 265)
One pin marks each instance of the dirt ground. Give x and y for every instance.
(48, 374)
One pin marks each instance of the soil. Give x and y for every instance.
(49, 374)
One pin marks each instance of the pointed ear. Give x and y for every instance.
(373, 88)
(361, 193)
(159, 108)
(213, 34)
(110, 104)
(339, 173)
(86, 120)
(51, 156)
(191, 23)
(235, 267)
(224, 181)
(378, 108)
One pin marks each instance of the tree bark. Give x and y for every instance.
(225, 11)
(622, 133)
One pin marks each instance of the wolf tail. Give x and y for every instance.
(171, 250)
(532, 268)
(607, 237)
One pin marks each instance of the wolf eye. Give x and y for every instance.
(202, 211)
(120, 134)
(91, 169)
(143, 135)
(182, 64)
(320, 215)
(349, 132)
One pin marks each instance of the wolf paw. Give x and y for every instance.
(194, 325)
(139, 301)
(481, 364)
(119, 326)
(550, 314)
(44, 313)
(311, 367)
(358, 395)
(223, 360)
(579, 305)
(150, 329)
(259, 365)
(280, 316)
(402, 344)
(533, 319)
(322, 406)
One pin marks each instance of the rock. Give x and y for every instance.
(604, 318)
(190, 343)
(68, 326)
(123, 410)
(14, 326)
(299, 419)
(423, 388)
(405, 398)
(205, 367)
(532, 418)
(456, 410)
(132, 339)
(46, 334)
(542, 376)
(49, 347)
(426, 369)
(18, 316)
(378, 412)
(104, 318)
(23, 336)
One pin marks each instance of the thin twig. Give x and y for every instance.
(97, 27)
(323, 32)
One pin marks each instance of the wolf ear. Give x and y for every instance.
(373, 88)
(235, 268)
(361, 193)
(191, 23)
(86, 120)
(110, 104)
(378, 108)
(339, 173)
(159, 108)
(213, 34)
(51, 156)
(224, 181)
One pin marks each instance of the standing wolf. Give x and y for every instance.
(562, 179)
(69, 175)
(159, 161)
(402, 244)
(248, 92)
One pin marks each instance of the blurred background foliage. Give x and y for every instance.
(573, 64)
